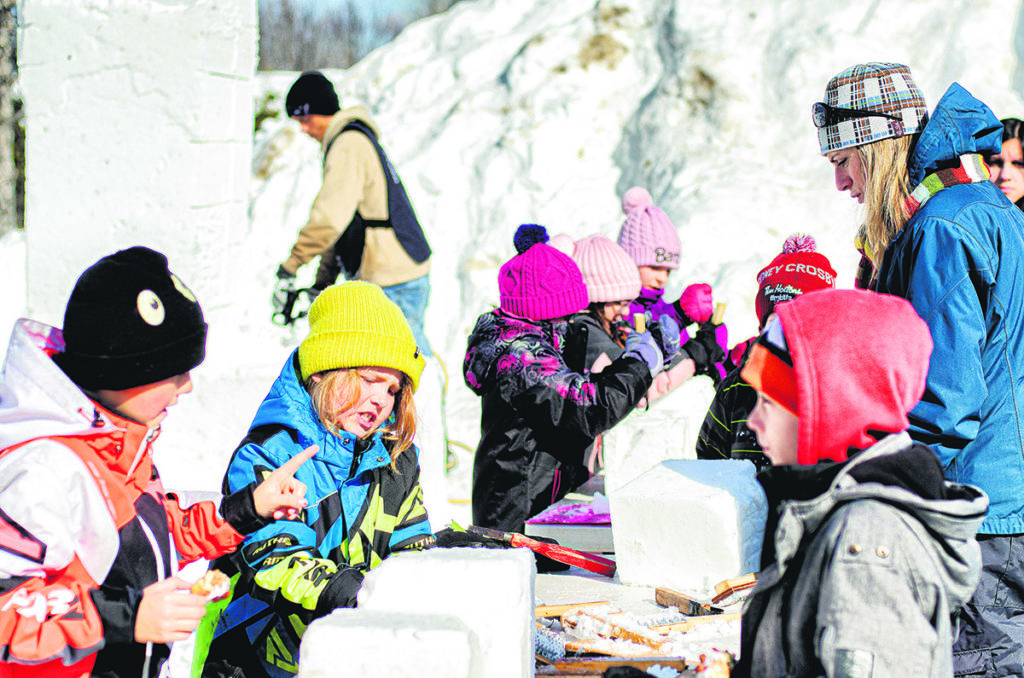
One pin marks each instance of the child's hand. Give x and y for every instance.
(641, 345)
(168, 611)
(696, 303)
(666, 333)
(705, 351)
(281, 495)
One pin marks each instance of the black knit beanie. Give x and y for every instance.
(312, 94)
(130, 322)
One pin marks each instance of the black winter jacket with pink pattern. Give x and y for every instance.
(538, 417)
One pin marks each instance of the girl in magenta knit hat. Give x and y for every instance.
(539, 416)
(650, 239)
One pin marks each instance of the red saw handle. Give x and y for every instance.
(563, 554)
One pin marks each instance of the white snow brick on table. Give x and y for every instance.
(488, 590)
(387, 645)
(667, 429)
(689, 524)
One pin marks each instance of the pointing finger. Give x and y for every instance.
(293, 464)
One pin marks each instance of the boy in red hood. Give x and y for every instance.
(869, 551)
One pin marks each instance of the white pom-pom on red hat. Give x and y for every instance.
(799, 242)
(636, 198)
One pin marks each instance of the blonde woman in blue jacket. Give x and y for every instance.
(944, 237)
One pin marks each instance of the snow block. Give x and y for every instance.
(387, 645)
(490, 591)
(689, 524)
(666, 430)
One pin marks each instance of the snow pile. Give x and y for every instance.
(508, 111)
(387, 645)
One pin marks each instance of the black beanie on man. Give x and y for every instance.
(311, 94)
(130, 322)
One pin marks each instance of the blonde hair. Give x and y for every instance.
(886, 189)
(343, 386)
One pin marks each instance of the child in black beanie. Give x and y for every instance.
(89, 541)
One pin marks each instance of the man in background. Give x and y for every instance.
(361, 222)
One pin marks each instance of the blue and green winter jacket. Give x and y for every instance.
(960, 262)
(290, 572)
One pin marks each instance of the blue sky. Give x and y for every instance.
(376, 8)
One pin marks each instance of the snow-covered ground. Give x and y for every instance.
(508, 111)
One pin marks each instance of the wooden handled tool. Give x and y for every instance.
(640, 323)
(559, 610)
(587, 561)
(729, 587)
(686, 605)
(719, 313)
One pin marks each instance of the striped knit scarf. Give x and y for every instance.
(866, 275)
(971, 169)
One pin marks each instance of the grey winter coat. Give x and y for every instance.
(866, 575)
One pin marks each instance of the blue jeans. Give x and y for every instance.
(412, 298)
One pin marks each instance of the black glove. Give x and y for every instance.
(448, 538)
(704, 350)
(545, 564)
(283, 289)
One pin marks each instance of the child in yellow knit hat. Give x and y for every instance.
(349, 389)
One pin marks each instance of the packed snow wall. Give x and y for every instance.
(138, 131)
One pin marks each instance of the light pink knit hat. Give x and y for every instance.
(648, 235)
(607, 270)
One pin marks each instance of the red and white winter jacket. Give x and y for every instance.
(85, 524)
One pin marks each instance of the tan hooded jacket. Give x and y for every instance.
(353, 180)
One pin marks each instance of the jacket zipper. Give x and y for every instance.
(161, 574)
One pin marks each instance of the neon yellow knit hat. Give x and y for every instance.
(354, 325)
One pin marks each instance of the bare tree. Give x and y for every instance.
(296, 35)
(8, 73)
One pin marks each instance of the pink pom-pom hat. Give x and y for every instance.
(607, 270)
(540, 283)
(647, 234)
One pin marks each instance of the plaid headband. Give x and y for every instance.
(877, 87)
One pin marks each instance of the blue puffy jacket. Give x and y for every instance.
(290, 572)
(960, 262)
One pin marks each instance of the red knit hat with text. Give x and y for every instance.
(647, 234)
(540, 283)
(800, 268)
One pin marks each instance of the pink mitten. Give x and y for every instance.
(696, 303)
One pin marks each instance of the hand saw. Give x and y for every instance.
(563, 554)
